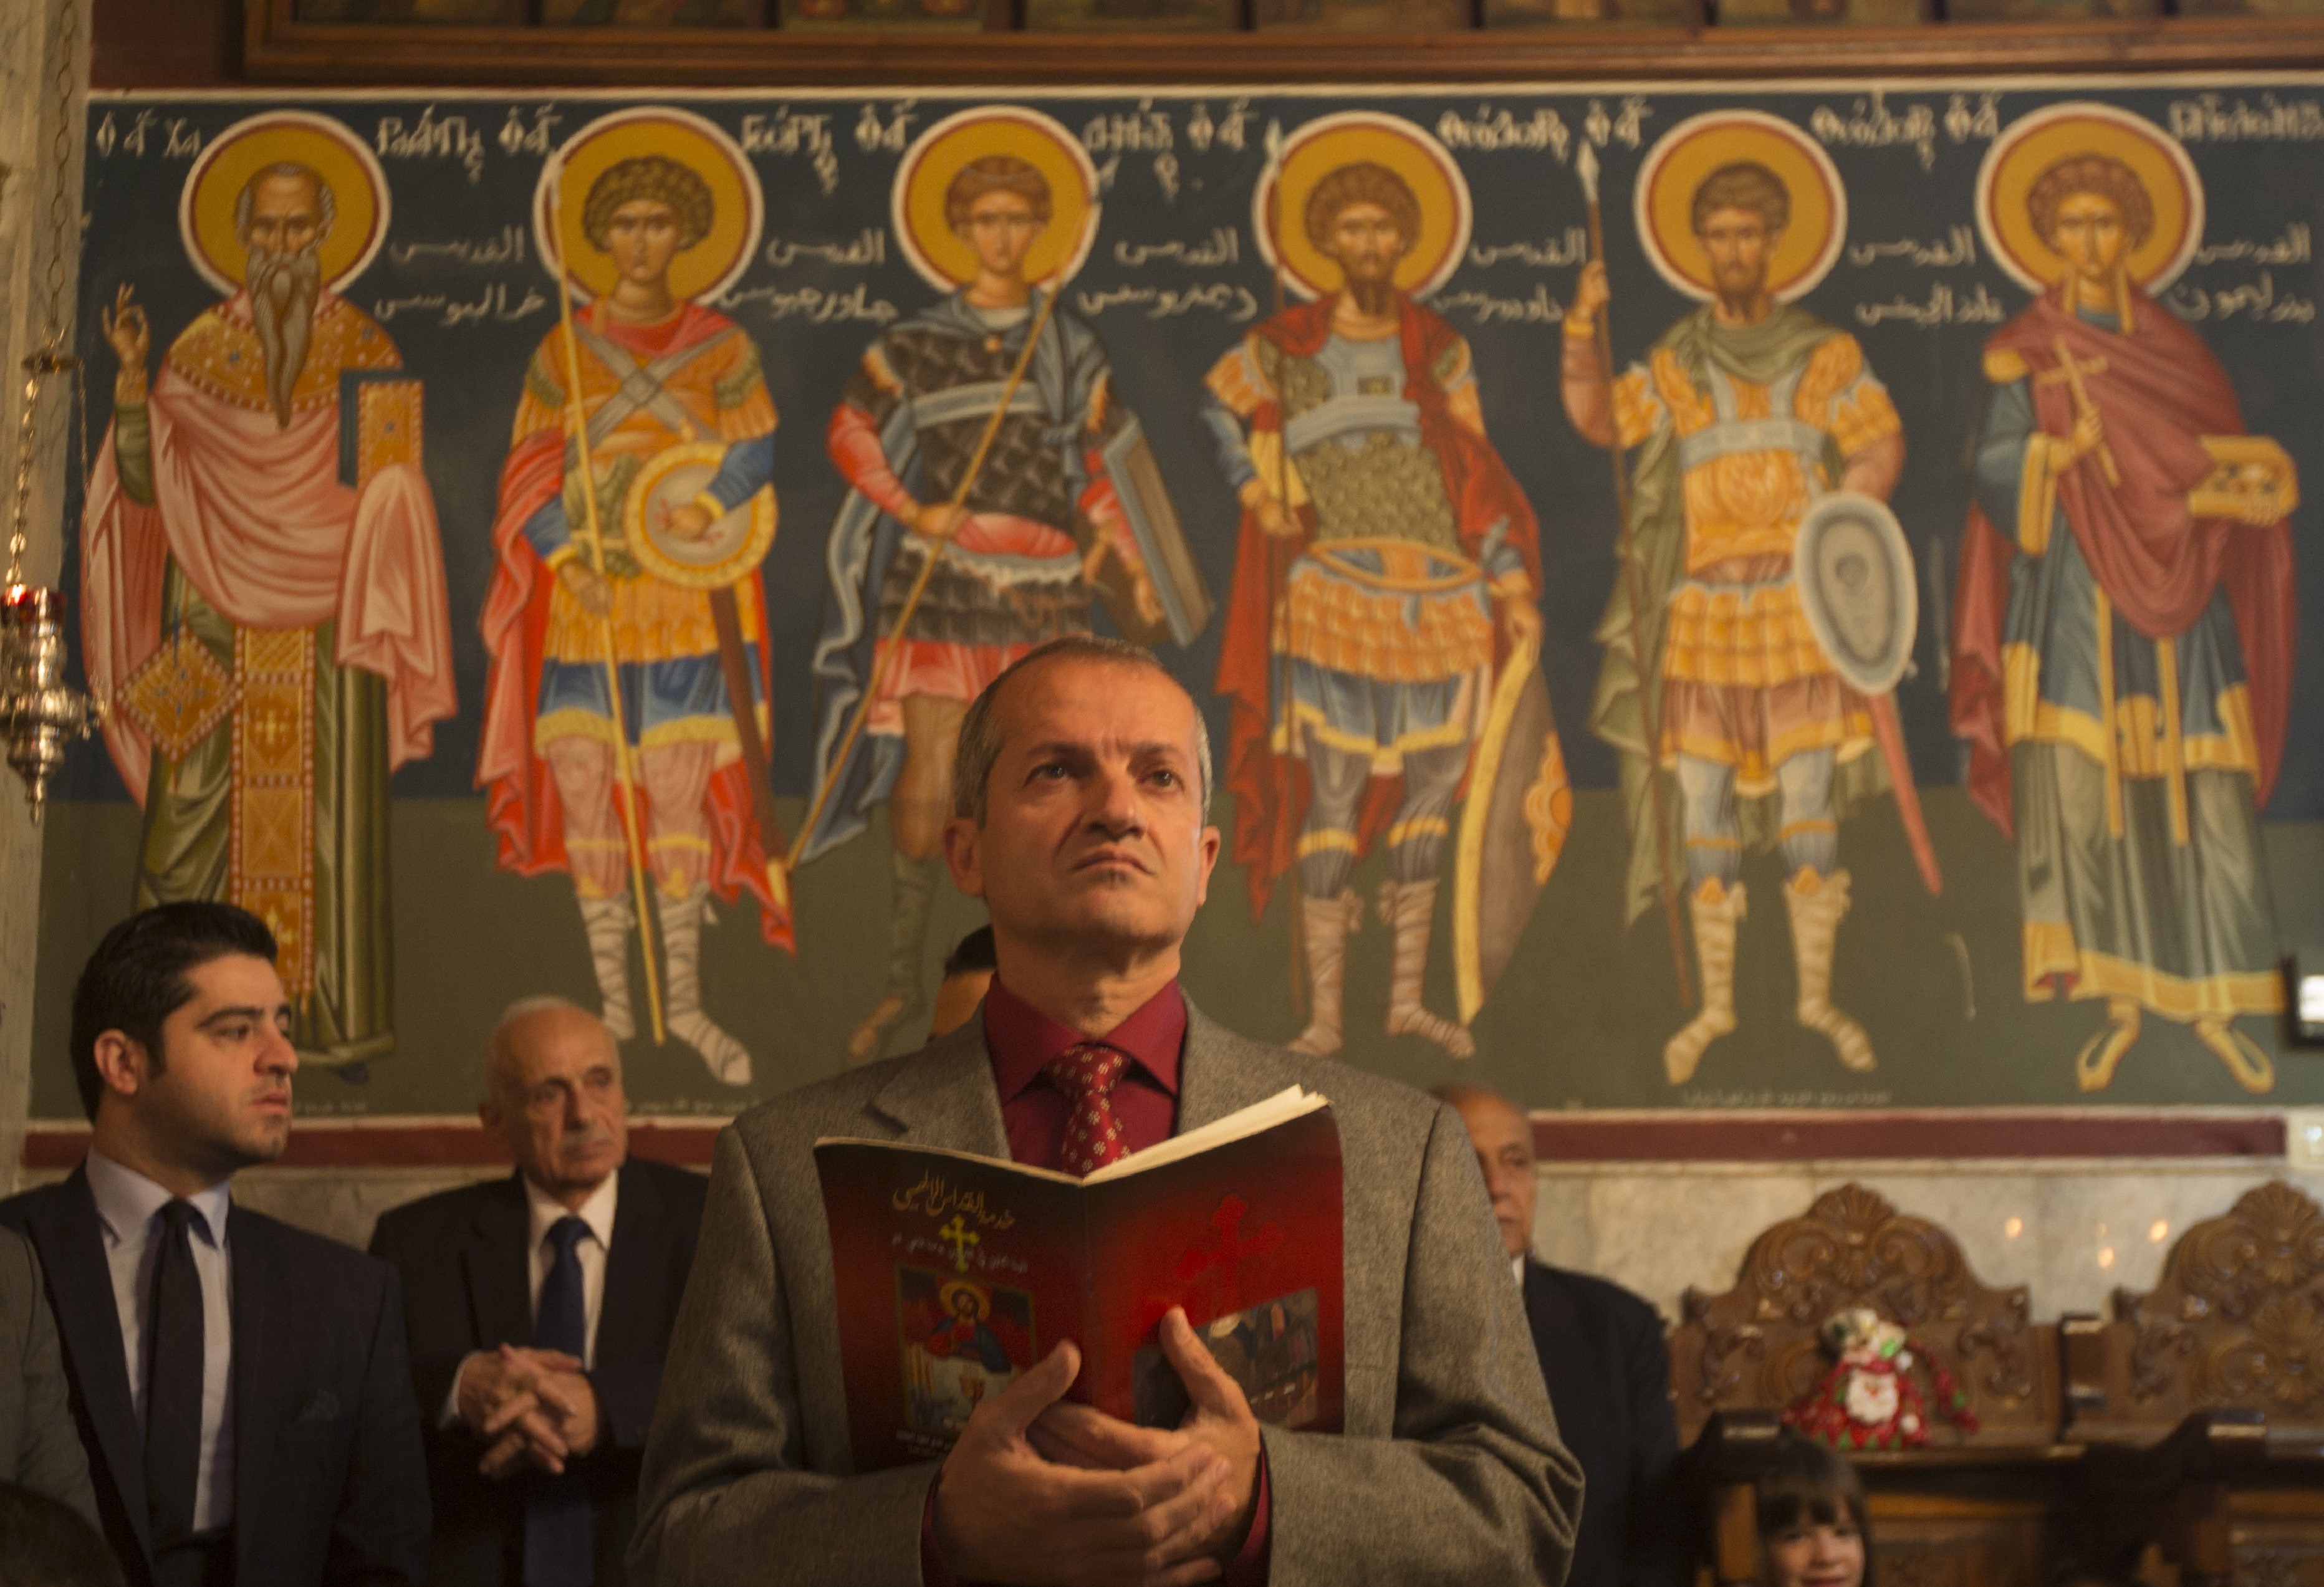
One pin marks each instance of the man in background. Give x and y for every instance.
(541, 1308)
(240, 1385)
(1608, 1372)
(967, 977)
(39, 1447)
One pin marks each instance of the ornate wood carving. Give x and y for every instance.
(1756, 1345)
(2237, 1320)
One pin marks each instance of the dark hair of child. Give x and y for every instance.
(1806, 1484)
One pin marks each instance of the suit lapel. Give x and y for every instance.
(498, 1266)
(945, 1096)
(71, 1243)
(623, 1322)
(1219, 1073)
(264, 1335)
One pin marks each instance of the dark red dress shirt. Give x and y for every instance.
(1020, 1040)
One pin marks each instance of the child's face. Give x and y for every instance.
(1809, 1553)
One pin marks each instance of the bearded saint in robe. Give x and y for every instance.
(293, 618)
(2122, 662)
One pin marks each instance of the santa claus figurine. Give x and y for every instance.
(1868, 1398)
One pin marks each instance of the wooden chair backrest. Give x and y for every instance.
(1758, 1347)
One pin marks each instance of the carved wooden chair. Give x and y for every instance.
(2203, 1402)
(1970, 1509)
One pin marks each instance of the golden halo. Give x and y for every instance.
(1349, 137)
(917, 202)
(1689, 151)
(326, 147)
(704, 271)
(2034, 143)
(963, 1286)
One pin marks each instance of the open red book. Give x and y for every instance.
(956, 1272)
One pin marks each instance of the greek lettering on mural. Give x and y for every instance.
(1230, 131)
(432, 137)
(1626, 129)
(1962, 124)
(873, 134)
(1957, 248)
(177, 141)
(1492, 132)
(1869, 123)
(788, 132)
(2211, 118)
(540, 138)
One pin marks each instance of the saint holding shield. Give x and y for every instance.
(653, 209)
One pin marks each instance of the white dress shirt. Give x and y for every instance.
(129, 1209)
(546, 1212)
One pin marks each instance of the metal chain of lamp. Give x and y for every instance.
(39, 712)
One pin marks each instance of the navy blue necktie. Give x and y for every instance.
(174, 1358)
(556, 1531)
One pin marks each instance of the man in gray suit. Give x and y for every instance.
(39, 1447)
(1081, 784)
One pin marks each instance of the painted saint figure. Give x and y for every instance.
(657, 370)
(1041, 528)
(1743, 413)
(1387, 561)
(263, 587)
(2124, 650)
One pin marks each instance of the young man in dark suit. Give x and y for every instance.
(1608, 1369)
(240, 1385)
(541, 1308)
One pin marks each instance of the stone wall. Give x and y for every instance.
(37, 37)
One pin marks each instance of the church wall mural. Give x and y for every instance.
(1702, 597)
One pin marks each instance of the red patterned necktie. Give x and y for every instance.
(1086, 1074)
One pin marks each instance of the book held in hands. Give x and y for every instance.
(955, 1272)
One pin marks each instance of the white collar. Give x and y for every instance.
(597, 1211)
(127, 1200)
(1516, 1270)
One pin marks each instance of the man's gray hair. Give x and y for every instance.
(497, 1045)
(326, 208)
(979, 745)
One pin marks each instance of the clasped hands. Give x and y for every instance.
(531, 1408)
(1043, 1493)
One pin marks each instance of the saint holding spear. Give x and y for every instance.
(625, 700)
(997, 486)
(1714, 689)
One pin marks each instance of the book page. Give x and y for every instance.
(1290, 1103)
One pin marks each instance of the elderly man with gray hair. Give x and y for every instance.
(538, 1308)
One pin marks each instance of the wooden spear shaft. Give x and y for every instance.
(1649, 707)
(887, 661)
(577, 419)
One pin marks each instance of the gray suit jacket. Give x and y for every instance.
(40, 1446)
(1450, 1469)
